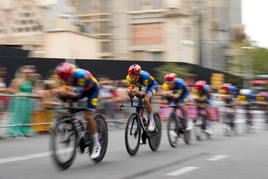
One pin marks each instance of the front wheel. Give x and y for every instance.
(172, 130)
(155, 137)
(103, 136)
(63, 142)
(133, 134)
(198, 131)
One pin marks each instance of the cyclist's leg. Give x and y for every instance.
(147, 101)
(92, 95)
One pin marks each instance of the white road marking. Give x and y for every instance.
(182, 171)
(217, 157)
(30, 156)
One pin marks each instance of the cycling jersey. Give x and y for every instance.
(146, 83)
(85, 84)
(179, 89)
(204, 94)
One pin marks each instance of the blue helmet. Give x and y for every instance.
(206, 88)
(232, 89)
(251, 96)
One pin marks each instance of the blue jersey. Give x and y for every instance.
(83, 81)
(179, 89)
(145, 82)
(204, 94)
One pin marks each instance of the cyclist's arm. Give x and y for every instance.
(177, 93)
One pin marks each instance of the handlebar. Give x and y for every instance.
(131, 103)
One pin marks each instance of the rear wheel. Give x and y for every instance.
(155, 137)
(172, 130)
(63, 142)
(103, 136)
(132, 134)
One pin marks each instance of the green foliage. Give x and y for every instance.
(259, 57)
(235, 80)
(181, 71)
(266, 86)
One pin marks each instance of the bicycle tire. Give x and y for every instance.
(103, 136)
(155, 138)
(172, 118)
(131, 123)
(197, 129)
(60, 164)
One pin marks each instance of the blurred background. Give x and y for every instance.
(197, 39)
(209, 40)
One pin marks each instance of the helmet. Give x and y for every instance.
(170, 78)
(134, 69)
(262, 94)
(207, 88)
(232, 89)
(64, 70)
(199, 85)
(226, 86)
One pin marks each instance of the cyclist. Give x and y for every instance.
(230, 100)
(262, 98)
(231, 94)
(202, 97)
(78, 83)
(176, 92)
(147, 88)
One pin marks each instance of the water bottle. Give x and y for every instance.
(144, 121)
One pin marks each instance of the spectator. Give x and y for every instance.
(20, 107)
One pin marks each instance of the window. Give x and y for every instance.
(104, 5)
(104, 27)
(136, 5)
(157, 4)
(106, 46)
(157, 56)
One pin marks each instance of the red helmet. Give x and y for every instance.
(226, 86)
(199, 85)
(134, 69)
(170, 77)
(64, 70)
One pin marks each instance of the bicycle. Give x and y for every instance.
(249, 119)
(75, 134)
(229, 126)
(175, 128)
(137, 128)
(200, 124)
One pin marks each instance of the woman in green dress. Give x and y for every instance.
(20, 108)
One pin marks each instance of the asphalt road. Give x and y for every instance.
(242, 156)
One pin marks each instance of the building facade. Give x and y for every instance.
(192, 31)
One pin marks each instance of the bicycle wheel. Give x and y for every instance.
(132, 134)
(172, 130)
(249, 124)
(155, 137)
(103, 136)
(198, 131)
(63, 142)
(187, 136)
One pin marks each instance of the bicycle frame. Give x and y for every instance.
(138, 110)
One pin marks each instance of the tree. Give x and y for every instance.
(181, 71)
(259, 57)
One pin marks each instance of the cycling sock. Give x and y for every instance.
(96, 139)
